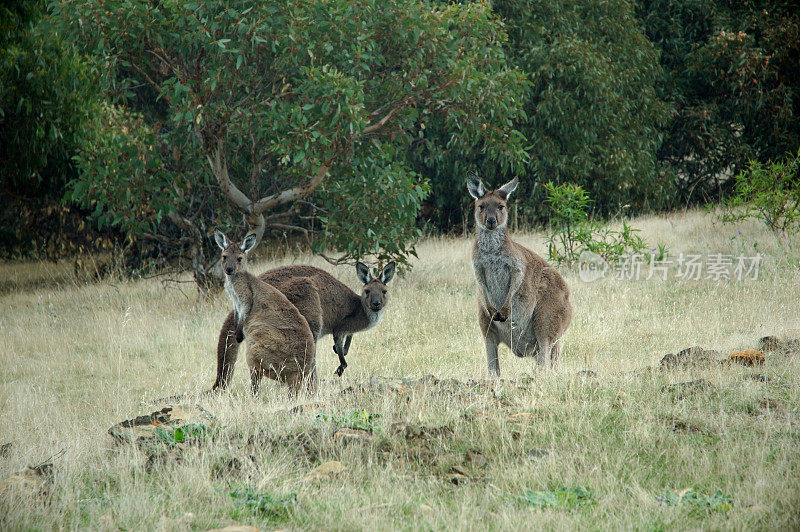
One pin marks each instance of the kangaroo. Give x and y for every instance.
(279, 342)
(327, 304)
(514, 282)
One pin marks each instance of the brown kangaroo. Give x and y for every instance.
(279, 343)
(514, 282)
(329, 307)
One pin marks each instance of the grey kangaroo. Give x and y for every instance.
(328, 306)
(516, 283)
(279, 342)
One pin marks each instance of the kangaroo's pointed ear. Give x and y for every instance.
(475, 187)
(249, 243)
(508, 188)
(363, 272)
(387, 273)
(221, 239)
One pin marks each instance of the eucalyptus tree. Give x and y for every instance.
(298, 115)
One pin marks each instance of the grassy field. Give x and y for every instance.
(540, 449)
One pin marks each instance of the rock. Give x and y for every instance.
(325, 471)
(5, 449)
(692, 356)
(347, 434)
(748, 357)
(143, 429)
(773, 344)
(586, 374)
(411, 431)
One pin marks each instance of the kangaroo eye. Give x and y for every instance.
(384, 292)
(480, 207)
(238, 259)
(500, 207)
(366, 292)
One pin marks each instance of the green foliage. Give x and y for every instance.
(189, 433)
(562, 499)
(718, 502)
(123, 180)
(769, 192)
(573, 231)
(265, 505)
(364, 214)
(730, 73)
(593, 116)
(289, 91)
(46, 92)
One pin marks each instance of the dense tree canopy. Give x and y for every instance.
(289, 109)
(335, 120)
(731, 73)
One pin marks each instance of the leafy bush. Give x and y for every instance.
(769, 192)
(573, 231)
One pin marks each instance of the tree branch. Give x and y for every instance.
(292, 194)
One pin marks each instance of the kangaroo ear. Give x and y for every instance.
(249, 243)
(221, 239)
(508, 188)
(475, 187)
(363, 272)
(387, 273)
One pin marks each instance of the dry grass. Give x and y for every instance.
(79, 358)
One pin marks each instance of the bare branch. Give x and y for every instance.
(219, 167)
(292, 194)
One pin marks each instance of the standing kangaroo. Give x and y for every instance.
(514, 282)
(328, 306)
(279, 343)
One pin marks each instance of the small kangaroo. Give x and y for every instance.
(327, 304)
(514, 282)
(279, 343)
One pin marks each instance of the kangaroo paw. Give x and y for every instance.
(339, 371)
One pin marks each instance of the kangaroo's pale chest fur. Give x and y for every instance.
(493, 264)
(238, 304)
(373, 318)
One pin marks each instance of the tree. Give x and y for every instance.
(300, 110)
(593, 115)
(44, 89)
(730, 71)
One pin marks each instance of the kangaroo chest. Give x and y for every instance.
(494, 275)
(238, 306)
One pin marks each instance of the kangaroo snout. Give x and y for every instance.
(491, 222)
(229, 270)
